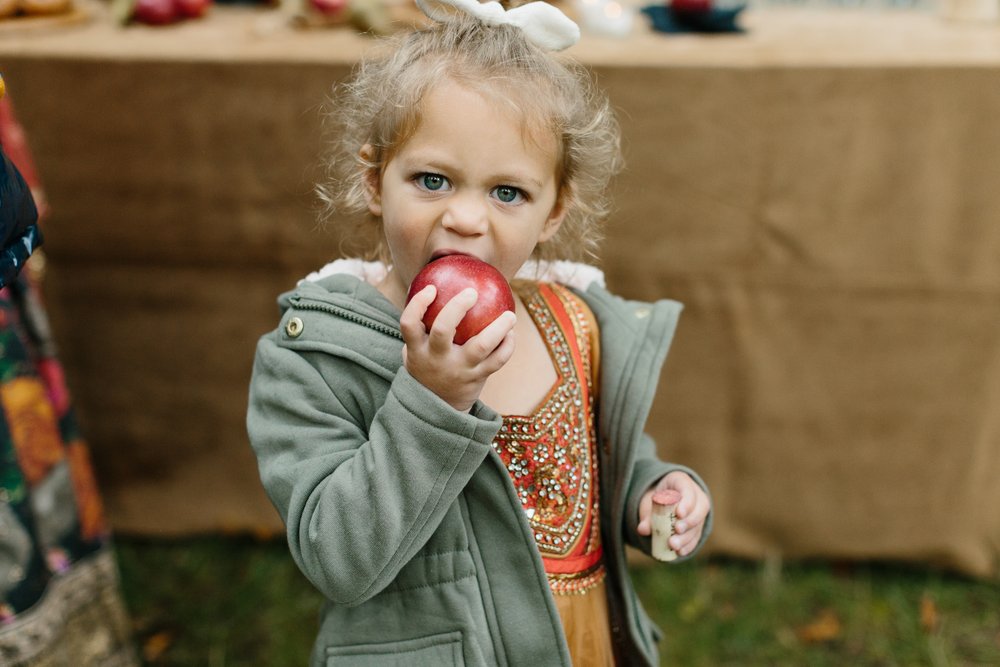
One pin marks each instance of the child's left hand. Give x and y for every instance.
(692, 510)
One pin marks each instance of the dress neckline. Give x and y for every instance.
(541, 314)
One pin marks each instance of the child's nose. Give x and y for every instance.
(466, 215)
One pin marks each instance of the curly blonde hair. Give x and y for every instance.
(380, 106)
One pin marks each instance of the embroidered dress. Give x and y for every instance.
(551, 456)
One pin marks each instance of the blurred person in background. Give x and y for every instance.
(60, 603)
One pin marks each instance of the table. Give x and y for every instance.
(820, 192)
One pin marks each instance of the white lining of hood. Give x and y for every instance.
(572, 274)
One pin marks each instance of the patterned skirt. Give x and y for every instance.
(60, 602)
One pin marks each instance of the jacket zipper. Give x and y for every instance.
(348, 315)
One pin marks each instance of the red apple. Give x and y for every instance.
(691, 6)
(154, 12)
(191, 9)
(453, 273)
(328, 7)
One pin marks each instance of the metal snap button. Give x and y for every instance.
(641, 313)
(294, 327)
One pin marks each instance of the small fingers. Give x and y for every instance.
(411, 320)
(484, 343)
(442, 332)
(693, 509)
(500, 355)
(691, 524)
(684, 543)
(645, 513)
(689, 490)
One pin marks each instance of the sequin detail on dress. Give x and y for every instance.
(551, 455)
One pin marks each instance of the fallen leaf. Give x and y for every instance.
(156, 645)
(727, 611)
(694, 607)
(929, 617)
(825, 627)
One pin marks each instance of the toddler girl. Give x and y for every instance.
(470, 504)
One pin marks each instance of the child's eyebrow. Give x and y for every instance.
(427, 162)
(514, 177)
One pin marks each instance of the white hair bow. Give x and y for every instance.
(543, 25)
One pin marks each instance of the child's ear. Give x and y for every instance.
(555, 219)
(372, 176)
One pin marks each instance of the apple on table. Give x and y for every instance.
(160, 12)
(329, 8)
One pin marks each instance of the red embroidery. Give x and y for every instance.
(551, 455)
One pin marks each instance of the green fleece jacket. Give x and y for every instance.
(397, 507)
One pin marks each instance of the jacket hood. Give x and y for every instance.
(344, 317)
(346, 289)
(572, 274)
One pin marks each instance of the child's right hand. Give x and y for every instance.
(456, 373)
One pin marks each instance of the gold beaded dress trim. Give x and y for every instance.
(551, 455)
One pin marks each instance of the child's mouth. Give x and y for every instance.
(438, 254)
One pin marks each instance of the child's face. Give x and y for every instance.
(471, 179)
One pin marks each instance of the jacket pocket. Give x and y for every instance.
(441, 650)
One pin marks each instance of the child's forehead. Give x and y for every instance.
(447, 99)
(500, 98)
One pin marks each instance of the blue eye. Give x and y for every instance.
(507, 194)
(432, 182)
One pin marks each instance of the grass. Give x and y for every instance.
(739, 613)
(218, 601)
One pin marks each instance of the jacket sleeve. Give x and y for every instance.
(646, 472)
(358, 502)
(18, 221)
